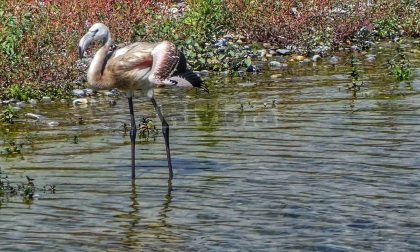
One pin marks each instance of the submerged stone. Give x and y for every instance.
(80, 101)
(33, 101)
(316, 57)
(33, 116)
(46, 99)
(52, 123)
(283, 51)
(78, 92)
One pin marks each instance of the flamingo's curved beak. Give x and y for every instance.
(84, 43)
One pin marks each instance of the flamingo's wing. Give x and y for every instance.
(170, 67)
(135, 56)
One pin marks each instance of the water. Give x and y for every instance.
(320, 169)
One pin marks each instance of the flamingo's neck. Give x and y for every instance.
(94, 73)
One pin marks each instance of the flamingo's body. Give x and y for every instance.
(137, 66)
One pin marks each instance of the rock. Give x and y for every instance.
(276, 76)
(80, 101)
(370, 57)
(52, 123)
(221, 42)
(333, 59)
(241, 73)
(276, 64)
(88, 91)
(298, 57)
(108, 93)
(204, 72)
(283, 51)
(33, 116)
(321, 49)
(33, 101)
(63, 101)
(262, 52)
(316, 57)
(266, 45)
(78, 92)
(46, 99)
(253, 69)
(354, 48)
(20, 104)
(247, 84)
(305, 61)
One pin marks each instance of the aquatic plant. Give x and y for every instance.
(355, 74)
(27, 190)
(147, 129)
(9, 114)
(399, 66)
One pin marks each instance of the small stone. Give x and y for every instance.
(306, 61)
(52, 123)
(276, 64)
(241, 73)
(266, 45)
(64, 101)
(33, 116)
(298, 57)
(276, 76)
(321, 49)
(316, 57)
(78, 92)
(283, 51)
(33, 101)
(247, 84)
(253, 69)
(108, 93)
(333, 60)
(370, 57)
(20, 104)
(46, 99)
(88, 91)
(80, 101)
(354, 48)
(204, 72)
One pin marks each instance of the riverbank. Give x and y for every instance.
(39, 39)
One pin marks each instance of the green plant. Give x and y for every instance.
(399, 66)
(25, 190)
(355, 74)
(147, 128)
(9, 114)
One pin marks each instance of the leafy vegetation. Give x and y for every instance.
(39, 39)
(399, 66)
(9, 114)
(26, 190)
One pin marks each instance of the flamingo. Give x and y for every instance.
(139, 65)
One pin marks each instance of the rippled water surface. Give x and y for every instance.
(296, 162)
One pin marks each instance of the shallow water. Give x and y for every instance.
(270, 164)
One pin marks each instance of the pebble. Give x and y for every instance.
(276, 76)
(33, 116)
(316, 57)
(266, 45)
(283, 51)
(20, 104)
(333, 60)
(78, 92)
(109, 93)
(247, 84)
(276, 64)
(88, 91)
(33, 101)
(322, 49)
(80, 101)
(46, 99)
(354, 48)
(370, 57)
(52, 123)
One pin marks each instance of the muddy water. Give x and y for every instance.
(288, 162)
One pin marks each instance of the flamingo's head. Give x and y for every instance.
(97, 32)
